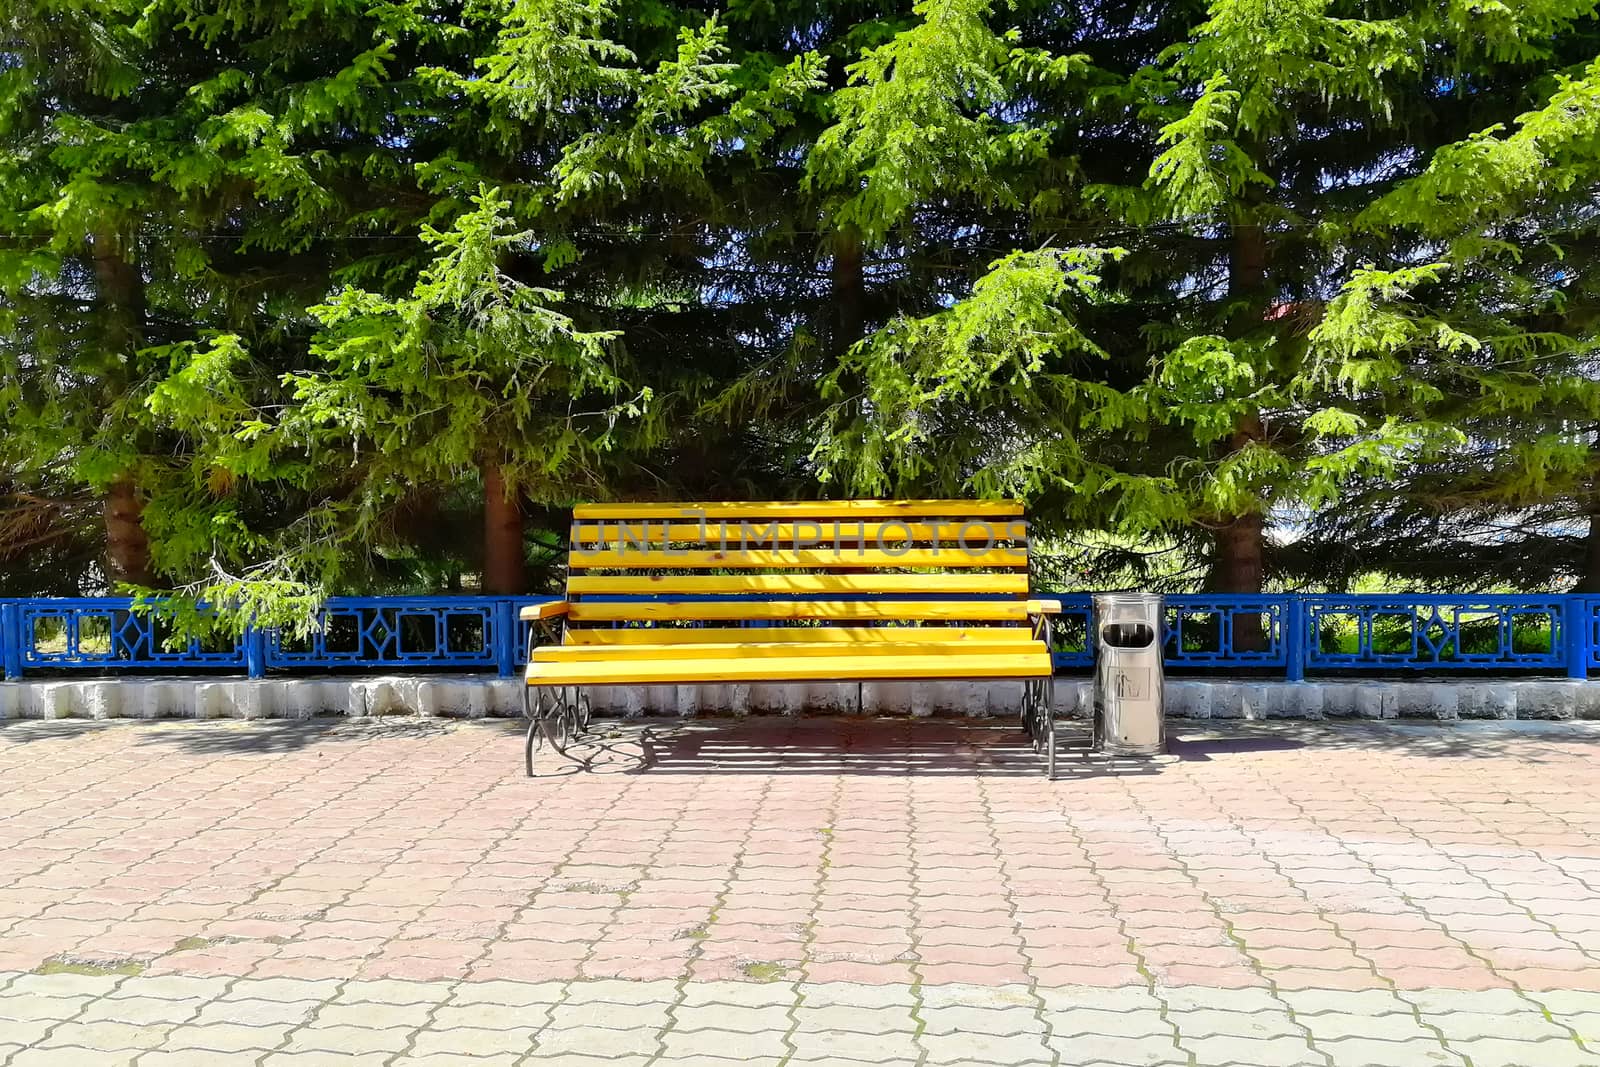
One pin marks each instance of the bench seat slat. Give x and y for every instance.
(678, 670)
(632, 558)
(975, 532)
(1020, 644)
(854, 509)
(692, 584)
(844, 610)
(610, 637)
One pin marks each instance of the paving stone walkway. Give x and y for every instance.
(797, 891)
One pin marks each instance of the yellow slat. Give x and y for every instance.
(1020, 644)
(622, 584)
(828, 668)
(976, 532)
(857, 610)
(702, 559)
(734, 509)
(609, 637)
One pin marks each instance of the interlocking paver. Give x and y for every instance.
(611, 1016)
(73, 1056)
(847, 1019)
(1497, 1052)
(1374, 1052)
(740, 994)
(828, 1045)
(140, 1010)
(283, 989)
(393, 992)
(700, 1045)
(985, 1048)
(20, 1034)
(1211, 1023)
(397, 890)
(1129, 1051)
(1081, 1021)
(186, 1057)
(1000, 1022)
(105, 1036)
(589, 1041)
(251, 1012)
(1516, 1026)
(466, 1040)
(732, 1018)
(373, 1015)
(227, 1037)
(1360, 1003)
(349, 1040)
(316, 1058)
(1280, 1051)
(64, 985)
(28, 1006)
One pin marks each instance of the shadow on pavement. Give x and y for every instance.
(822, 745)
(847, 745)
(1455, 739)
(26, 731)
(277, 736)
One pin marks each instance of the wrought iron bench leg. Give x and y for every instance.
(555, 715)
(1048, 694)
(1039, 719)
(532, 701)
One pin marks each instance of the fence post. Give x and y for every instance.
(255, 652)
(1294, 637)
(1576, 619)
(11, 640)
(505, 629)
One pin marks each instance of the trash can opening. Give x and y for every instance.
(1128, 634)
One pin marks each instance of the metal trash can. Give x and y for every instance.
(1127, 675)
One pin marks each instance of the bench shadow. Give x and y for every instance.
(830, 746)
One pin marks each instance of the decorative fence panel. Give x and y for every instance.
(1232, 631)
(96, 633)
(1436, 632)
(1074, 631)
(1291, 635)
(397, 632)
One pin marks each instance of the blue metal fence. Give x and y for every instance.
(1293, 634)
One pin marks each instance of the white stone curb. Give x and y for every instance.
(477, 697)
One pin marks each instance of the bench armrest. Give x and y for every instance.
(552, 610)
(1044, 607)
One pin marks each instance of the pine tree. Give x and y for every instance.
(173, 171)
(470, 371)
(1231, 361)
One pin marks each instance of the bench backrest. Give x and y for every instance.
(804, 562)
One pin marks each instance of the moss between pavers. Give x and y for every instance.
(57, 965)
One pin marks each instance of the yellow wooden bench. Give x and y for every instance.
(846, 590)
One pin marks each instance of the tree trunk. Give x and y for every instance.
(1589, 580)
(1238, 565)
(127, 547)
(122, 296)
(504, 572)
(1240, 560)
(848, 291)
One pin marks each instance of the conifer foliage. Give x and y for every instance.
(308, 298)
